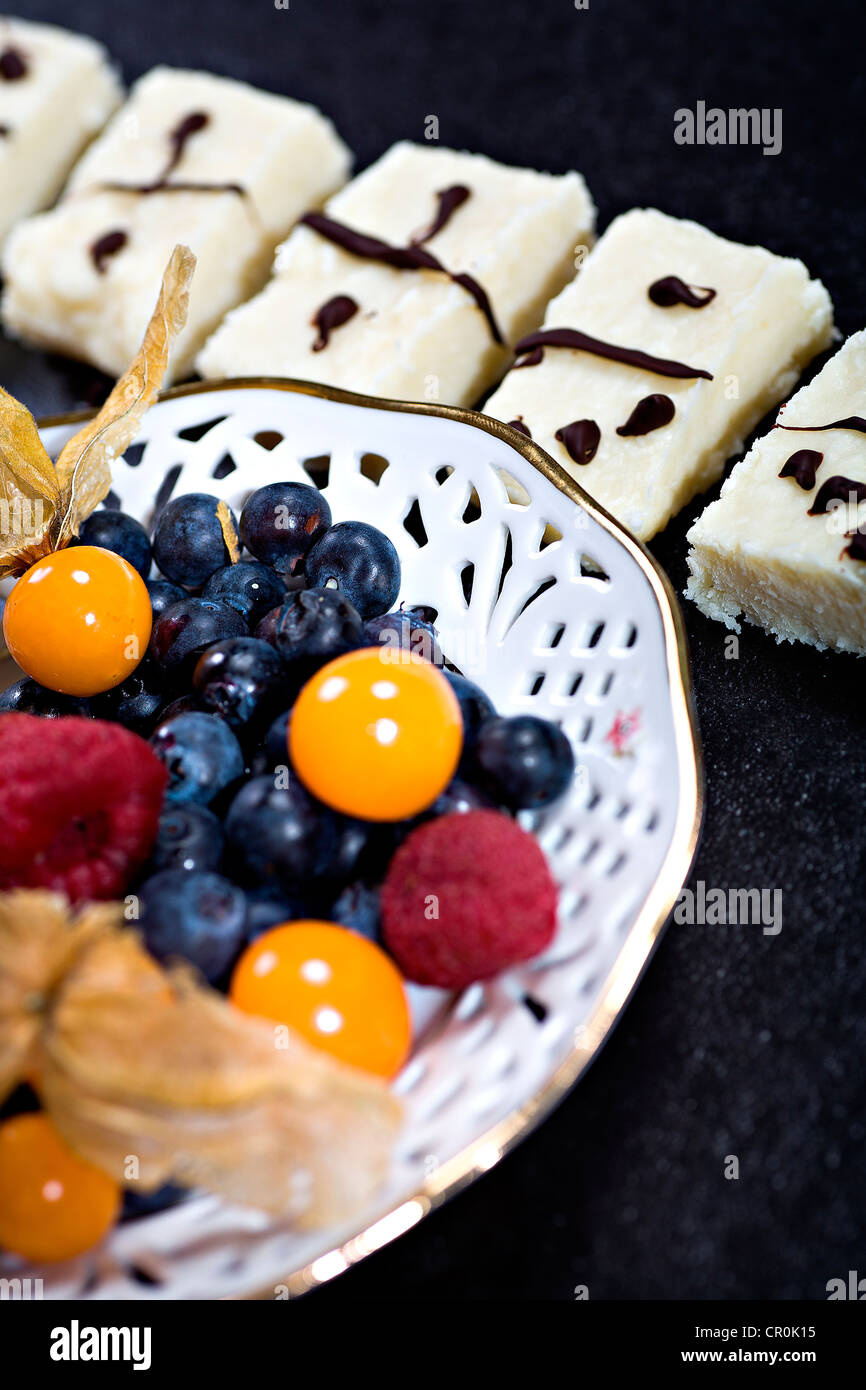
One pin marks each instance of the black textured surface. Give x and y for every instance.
(736, 1042)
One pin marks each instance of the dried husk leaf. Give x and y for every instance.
(133, 1061)
(230, 535)
(84, 465)
(42, 504)
(29, 491)
(38, 943)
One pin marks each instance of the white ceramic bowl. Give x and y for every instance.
(553, 609)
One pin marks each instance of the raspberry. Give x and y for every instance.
(79, 805)
(466, 896)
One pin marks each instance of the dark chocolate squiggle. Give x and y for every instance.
(853, 422)
(412, 257)
(581, 438)
(13, 64)
(531, 359)
(802, 467)
(333, 314)
(449, 200)
(180, 136)
(857, 548)
(178, 139)
(652, 413)
(837, 489)
(107, 246)
(630, 357)
(176, 186)
(671, 290)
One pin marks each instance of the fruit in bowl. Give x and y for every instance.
(287, 806)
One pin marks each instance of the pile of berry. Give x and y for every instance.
(310, 737)
(275, 767)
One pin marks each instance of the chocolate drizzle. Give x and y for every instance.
(853, 422)
(182, 133)
(857, 548)
(178, 138)
(106, 247)
(581, 439)
(13, 64)
(837, 489)
(802, 466)
(671, 290)
(651, 413)
(531, 359)
(630, 357)
(176, 186)
(333, 314)
(449, 200)
(370, 248)
(411, 257)
(518, 424)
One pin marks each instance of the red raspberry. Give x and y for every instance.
(79, 805)
(466, 896)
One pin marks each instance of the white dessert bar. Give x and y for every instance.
(675, 344)
(438, 260)
(190, 158)
(781, 546)
(56, 91)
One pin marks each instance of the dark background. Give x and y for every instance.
(736, 1042)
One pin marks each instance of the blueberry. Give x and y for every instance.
(120, 533)
(27, 696)
(351, 840)
(458, 798)
(265, 629)
(314, 626)
(11, 697)
(137, 1203)
(358, 907)
(202, 755)
(137, 702)
(249, 587)
(280, 522)
(182, 633)
(420, 610)
(276, 745)
(243, 680)
(360, 562)
(184, 704)
(278, 834)
(198, 916)
(162, 595)
(189, 837)
(404, 631)
(524, 762)
(475, 707)
(383, 840)
(188, 543)
(385, 837)
(269, 907)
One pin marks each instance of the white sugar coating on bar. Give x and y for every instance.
(756, 553)
(765, 323)
(61, 91)
(416, 334)
(284, 155)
